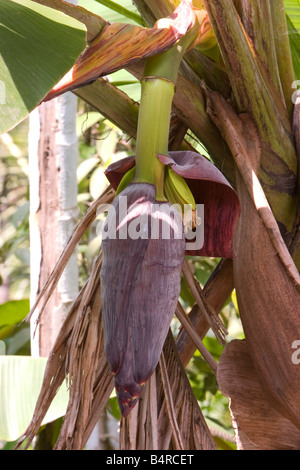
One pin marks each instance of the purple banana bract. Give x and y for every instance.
(140, 283)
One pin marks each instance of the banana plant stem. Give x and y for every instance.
(153, 132)
(157, 92)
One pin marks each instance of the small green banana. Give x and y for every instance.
(177, 189)
(126, 179)
(178, 192)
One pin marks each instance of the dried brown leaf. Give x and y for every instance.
(55, 374)
(269, 305)
(87, 368)
(212, 318)
(216, 291)
(176, 435)
(193, 428)
(78, 356)
(295, 244)
(82, 226)
(257, 424)
(189, 328)
(175, 417)
(139, 430)
(68, 356)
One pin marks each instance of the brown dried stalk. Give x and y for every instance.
(170, 404)
(188, 326)
(214, 321)
(87, 220)
(216, 291)
(194, 433)
(139, 430)
(78, 355)
(174, 413)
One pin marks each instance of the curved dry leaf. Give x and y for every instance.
(90, 378)
(179, 425)
(266, 278)
(269, 305)
(294, 248)
(194, 432)
(257, 424)
(78, 356)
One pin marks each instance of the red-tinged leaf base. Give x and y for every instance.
(119, 45)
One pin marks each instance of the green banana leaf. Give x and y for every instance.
(12, 313)
(122, 11)
(20, 382)
(292, 8)
(38, 45)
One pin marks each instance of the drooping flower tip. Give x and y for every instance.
(127, 400)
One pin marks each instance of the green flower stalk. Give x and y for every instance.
(157, 92)
(153, 132)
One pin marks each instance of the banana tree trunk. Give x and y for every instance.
(53, 211)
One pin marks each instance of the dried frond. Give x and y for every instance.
(170, 409)
(257, 424)
(213, 320)
(188, 326)
(82, 226)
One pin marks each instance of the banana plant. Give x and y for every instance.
(232, 92)
(137, 319)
